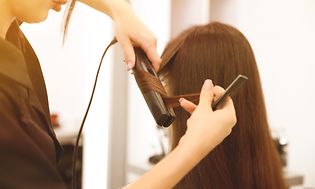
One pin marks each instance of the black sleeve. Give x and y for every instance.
(23, 165)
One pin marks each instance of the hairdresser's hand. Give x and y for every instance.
(57, 4)
(207, 128)
(130, 31)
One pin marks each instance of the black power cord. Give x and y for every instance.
(76, 148)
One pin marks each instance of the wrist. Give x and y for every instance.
(191, 152)
(195, 146)
(117, 9)
(112, 8)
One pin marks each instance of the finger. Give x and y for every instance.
(57, 4)
(151, 52)
(229, 111)
(128, 52)
(228, 104)
(206, 94)
(57, 8)
(218, 91)
(60, 1)
(187, 105)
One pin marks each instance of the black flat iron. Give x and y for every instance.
(163, 115)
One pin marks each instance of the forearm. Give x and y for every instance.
(113, 8)
(167, 173)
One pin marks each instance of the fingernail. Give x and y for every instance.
(181, 100)
(129, 65)
(208, 84)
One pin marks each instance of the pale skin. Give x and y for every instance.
(205, 128)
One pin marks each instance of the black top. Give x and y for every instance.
(29, 150)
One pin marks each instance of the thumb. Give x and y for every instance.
(206, 94)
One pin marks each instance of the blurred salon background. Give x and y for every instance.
(120, 140)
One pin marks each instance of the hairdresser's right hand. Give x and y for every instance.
(130, 31)
(207, 128)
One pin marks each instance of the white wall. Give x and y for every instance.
(186, 13)
(282, 34)
(69, 72)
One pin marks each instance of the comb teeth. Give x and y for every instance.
(163, 116)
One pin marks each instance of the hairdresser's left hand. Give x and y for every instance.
(57, 4)
(207, 128)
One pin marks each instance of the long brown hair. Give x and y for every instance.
(247, 159)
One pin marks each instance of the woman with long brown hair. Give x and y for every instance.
(247, 159)
(29, 149)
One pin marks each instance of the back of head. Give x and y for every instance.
(247, 159)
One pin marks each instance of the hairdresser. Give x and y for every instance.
(29, 150)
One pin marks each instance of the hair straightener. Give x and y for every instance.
(163, 116)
